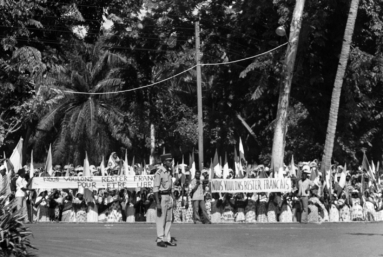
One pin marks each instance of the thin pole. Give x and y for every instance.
(199, 97)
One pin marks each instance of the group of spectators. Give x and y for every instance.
(310, 200)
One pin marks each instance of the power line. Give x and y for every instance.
(176, 75)
(133, 89)
(244, 59)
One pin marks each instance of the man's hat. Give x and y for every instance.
(166, 156)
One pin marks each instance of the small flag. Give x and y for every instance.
(292, 167)
(31, 168)
(16, 157)
(126, 166)
(132, 172)
(48, 164)
(342, 180)
(192, 168)
(183, 165)
(103, 169)
(241, 151)
(87, 172)
(211, 169)
(216, 167)
(225, 168)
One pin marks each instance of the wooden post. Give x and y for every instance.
(285, 87)
(199, 97)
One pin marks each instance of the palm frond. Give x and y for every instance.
(50, 120)
(79, 82)
(107, 62)
(61, 143)
(80, 123)
(91, 112)
(114, 119)
(108, 85)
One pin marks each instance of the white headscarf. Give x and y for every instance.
(113, 162)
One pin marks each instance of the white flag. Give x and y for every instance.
(48, 164)
(31, 168)
(16, 157)
(241, 151)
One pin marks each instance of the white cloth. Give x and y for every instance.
(20, 183)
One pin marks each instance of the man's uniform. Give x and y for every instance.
(163, 185)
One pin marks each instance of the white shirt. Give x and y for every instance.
(20, 183)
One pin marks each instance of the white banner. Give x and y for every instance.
(111, 182)
(266, 185)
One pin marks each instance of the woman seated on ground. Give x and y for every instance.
(356, 208)
(272, 208)
(216, 208)
(131, 208)
(80, 207)
(240, 205)
(42, 205)
(228, 209)
(67, 210)
(286, 210)
(92, 199)
(250, 207)
(55, 202)
(177, 211)
(262, 208)
(369, 206)
(151, 207)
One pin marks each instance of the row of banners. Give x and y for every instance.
(266, 185)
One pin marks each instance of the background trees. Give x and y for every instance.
(157, 41)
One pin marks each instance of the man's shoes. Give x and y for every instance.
(170, 244)
(208, 222)
(162, 244)
(173, 239)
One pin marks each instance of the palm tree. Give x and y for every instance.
(92, 123)
(335, 99)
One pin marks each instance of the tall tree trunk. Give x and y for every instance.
(284, 92)
(152, 143)
(335, 99)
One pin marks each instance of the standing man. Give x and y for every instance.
(304, 192)
(163, 194)
(21, 200)
(198, 199)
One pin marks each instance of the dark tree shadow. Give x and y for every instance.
(364, 234)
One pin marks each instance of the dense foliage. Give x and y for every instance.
(39, 45)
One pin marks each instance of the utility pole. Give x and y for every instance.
(199, 97)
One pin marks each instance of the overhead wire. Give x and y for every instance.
(169, 78)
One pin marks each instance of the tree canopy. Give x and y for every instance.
(43, 54)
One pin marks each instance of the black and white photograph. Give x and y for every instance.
(192, 128)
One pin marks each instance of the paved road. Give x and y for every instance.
(326, 239)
